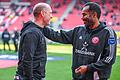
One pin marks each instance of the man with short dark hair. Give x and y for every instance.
(94, 45)
(32, 49)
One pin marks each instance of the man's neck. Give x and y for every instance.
(95, 25)
(39, 23)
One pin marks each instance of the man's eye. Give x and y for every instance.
(84, 14)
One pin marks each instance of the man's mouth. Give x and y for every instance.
(85, 22)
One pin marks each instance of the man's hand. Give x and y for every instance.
(81, 69)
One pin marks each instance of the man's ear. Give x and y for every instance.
(95, 14)
(42, 13)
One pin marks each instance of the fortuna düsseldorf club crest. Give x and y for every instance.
(95, 40)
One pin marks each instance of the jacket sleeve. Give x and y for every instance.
(59, 36)
(29, 46)
(107, 58)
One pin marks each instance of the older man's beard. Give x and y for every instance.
(89, 25)
(46, 23)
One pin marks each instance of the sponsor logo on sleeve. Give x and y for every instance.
(111, 40)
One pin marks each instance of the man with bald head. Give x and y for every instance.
(32, 48)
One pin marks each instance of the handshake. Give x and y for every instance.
(82, 69)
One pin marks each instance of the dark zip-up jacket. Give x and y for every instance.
(32, 53)
(6, 36)
(95, 48)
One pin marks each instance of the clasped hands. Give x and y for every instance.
(82, 69)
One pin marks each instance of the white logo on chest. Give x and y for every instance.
(80, 37)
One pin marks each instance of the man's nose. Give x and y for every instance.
(82, 18)
(51, 16)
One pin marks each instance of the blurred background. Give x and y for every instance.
(67, 15)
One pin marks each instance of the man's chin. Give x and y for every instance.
(86, 24)
(47, 24)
